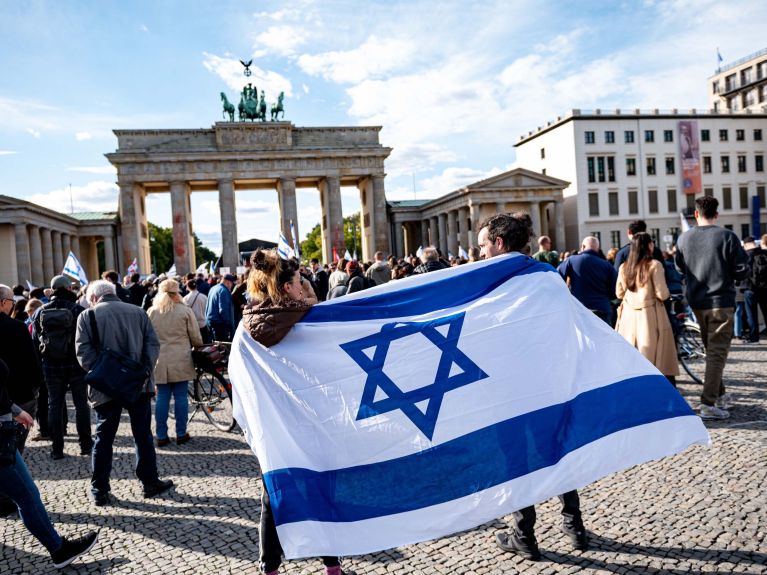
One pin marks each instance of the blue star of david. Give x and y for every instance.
(434, 392)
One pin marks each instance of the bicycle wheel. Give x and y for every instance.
(691, 352)
(213, 393)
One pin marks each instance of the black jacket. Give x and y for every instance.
(62, 298)
(18, 352)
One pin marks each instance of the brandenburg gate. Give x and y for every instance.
(234, 156)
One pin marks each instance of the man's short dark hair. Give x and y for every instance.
(708, 206)
(18, 290)
(514, 229)
(135, 278)
(110, 275)
(314, 261)
(637, 227)
(191, 285)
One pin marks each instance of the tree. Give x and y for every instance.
(161, 249)
(312, 246)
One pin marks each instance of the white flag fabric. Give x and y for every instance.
(462, 253)
(685, 223)
(354, 256)
(347, 256)
(203, 269)
(133, 268)
(283, 248)
(430, 405)
(30, 287)
(171, 273)
(74, 270)
(419, 252)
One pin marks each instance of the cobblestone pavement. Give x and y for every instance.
(704, 511)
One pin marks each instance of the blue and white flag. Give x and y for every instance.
(30, 287)
(283, 248)
(430, 405)
(419, 252)
(685, 224)
(347, 256)
(171, 273)
(74, 270)
(462, 253)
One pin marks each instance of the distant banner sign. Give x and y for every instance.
(241, 270)
(689, 150)
(222, 271)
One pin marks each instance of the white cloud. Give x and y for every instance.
(93, 169)
(81, 136)
(452, 179)
(7, 152)
(375, 58)
(96, 196)
(230, 71)
(282, 39)
(305, 88)
(34, 133)
(143, 28)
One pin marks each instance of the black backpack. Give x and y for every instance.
(57, 333)
(759, 271)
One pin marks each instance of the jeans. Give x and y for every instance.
(58, 380)
(180, 407)
(752, 314)
(716, 326)
(269, 541)
(740, 311)
(107, 420)
(220, 331)
(17, 484)
(524, 519)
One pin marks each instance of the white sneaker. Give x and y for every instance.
(713, 412)
(725, 401)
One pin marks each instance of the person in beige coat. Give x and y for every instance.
(642, 317)
(178, 332)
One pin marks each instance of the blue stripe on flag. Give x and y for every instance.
(474, 462)
(442, 293)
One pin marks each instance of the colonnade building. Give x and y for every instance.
(36, 241)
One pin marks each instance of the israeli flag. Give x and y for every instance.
(419, 252)
(74, 270)
(347, 256)
(283, 248)
(462, 253)
(430, 405)
(684, 223)
(171, 273)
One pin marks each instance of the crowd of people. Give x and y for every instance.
(54, 336)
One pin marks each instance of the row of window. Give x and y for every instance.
(615, 235)
(668, 136)
(602, 168)
(613, 206)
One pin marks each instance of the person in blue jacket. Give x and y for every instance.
(219, 311)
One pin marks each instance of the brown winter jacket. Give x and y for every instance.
(268, 323)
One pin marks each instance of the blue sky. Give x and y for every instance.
(452, 83)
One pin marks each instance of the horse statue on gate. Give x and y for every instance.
(277, 108)
(228, 108)
(262, 107)
(248, 106)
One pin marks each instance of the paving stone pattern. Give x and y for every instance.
(704, 511)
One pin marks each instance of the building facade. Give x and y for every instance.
(36, 242)
(627, 165)
(740, 85)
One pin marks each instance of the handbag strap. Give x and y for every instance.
(94, 330)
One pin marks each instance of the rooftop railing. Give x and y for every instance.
(740, 61)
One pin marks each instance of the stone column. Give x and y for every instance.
(89, 258)
(424, 233)
(500, 207)
(398, 241)
(544, 219)
(58, 262)
(433, 231)
(474, 214)
(367, 224)
(442, 224)
(133, 229)
(23, 267)
(183, 243)
(559, 219)
(452, 233)
(379, 215)
(286, 195)
(535, 215)
(66, 246)
(230, 249)
(463, 227)
(332, 223)
(36, 256)
(47, 246)
(109, 254)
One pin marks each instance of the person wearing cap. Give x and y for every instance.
(219, 310)
(53, 331)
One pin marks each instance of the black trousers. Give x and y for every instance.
(524, 519)
(271, 550)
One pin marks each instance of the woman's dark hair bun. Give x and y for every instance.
(264, 260)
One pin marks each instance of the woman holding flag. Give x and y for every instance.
(279, 298)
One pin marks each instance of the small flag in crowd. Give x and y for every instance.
(296, 245)
(74, 270)
(283, 248)
(133, 268)
(347, 256)
(449, 254)
(354, 256)
(685, 223)
(363, 449)
(203, 269)
(212, 267)
(462, 253)
(171, 273)
(419, 252)
(30, 286)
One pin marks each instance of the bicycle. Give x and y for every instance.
(211, 390)
(689, 343)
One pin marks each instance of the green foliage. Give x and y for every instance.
(311, 247)
(161, 249)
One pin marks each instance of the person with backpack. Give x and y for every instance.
(357, 280)
(755, 288)
(53, 330)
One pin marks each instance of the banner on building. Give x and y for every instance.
(689, 151)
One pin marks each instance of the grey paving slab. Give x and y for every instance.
(703, 511)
